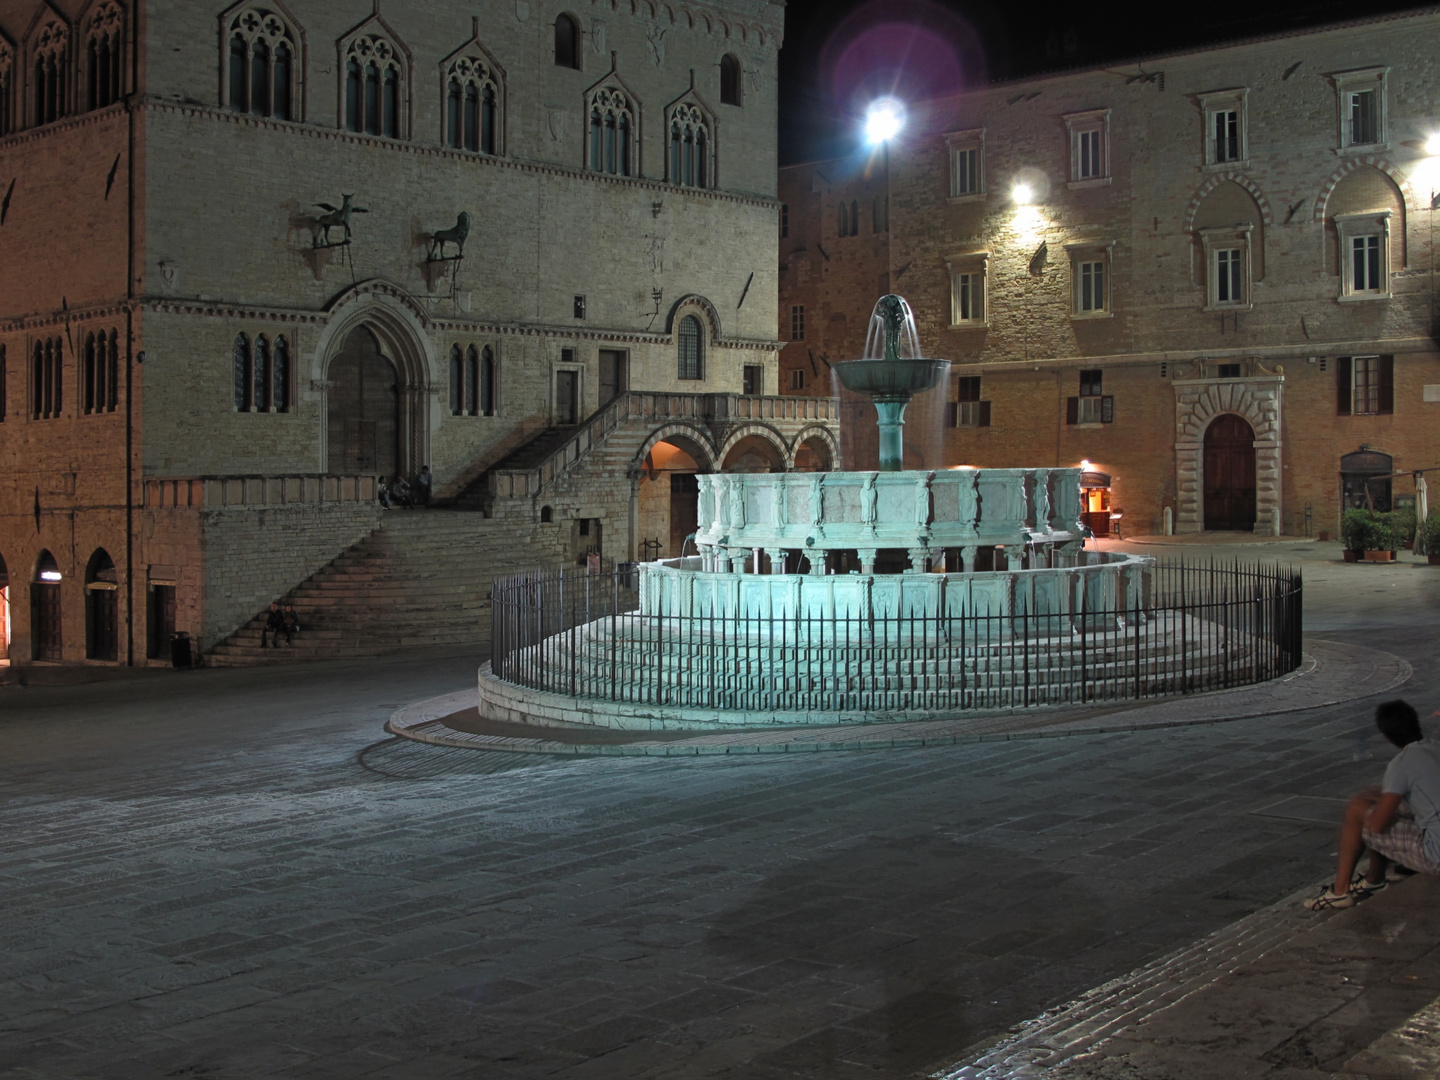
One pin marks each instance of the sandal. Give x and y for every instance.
(1329, 900)
(1367, 888)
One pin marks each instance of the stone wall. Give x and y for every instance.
(1142, 219)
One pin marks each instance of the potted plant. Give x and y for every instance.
(1355, 526)
(1430, 538)
(1382, 538)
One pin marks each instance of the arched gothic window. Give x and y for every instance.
(457, 381)
(47, 379)
(691, 349)
(104, 37)
(4, 377)
(244, 375)
(854, 217)
(842, 215)
(729, 80)
(263, 76)
(473, 97)
(376, 78)
(567, 42)
(7, 87)
(102, 372)
(50, 67)
(690, 146)
(262, 374)
(612, 132)
(487, 381)
(472, 382)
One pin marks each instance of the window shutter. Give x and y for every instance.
(1387, 384)
(1342, 386)
(1107, 409)
(1072, 410)
(952, 414)
(984, 414)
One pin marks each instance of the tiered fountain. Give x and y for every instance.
(783, 619)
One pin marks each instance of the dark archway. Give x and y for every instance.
(1365, 480)
(4, 610)
(364, 409)
(45, 638)
(1230, 475)
(101, 623)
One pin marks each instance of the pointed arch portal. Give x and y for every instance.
(364, 408)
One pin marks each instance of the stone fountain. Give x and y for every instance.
(891, 373)
(785, 617)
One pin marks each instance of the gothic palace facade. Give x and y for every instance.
(203, 369)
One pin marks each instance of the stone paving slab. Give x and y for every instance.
(1330, 674)
(1281, 993)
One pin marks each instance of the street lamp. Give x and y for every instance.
(1022, 193)
(884, 119)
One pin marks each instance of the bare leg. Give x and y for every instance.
(1352, 843)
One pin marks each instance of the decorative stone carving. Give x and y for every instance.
(1198, 402)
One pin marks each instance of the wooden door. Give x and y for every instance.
(614, 378)
(46, 616)
(364, 409)
(162, 620)
(1230, 475)
(566, 405)
(103, 643)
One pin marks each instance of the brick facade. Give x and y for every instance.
(1174, 348)
(180, 223)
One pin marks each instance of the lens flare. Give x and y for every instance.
(884, 120)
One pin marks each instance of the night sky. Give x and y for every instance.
(836, 51)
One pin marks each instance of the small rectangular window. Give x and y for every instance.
(965, 172)
(1227, 135)
(579, 307)
(969, 297)
(797, 379)
(1364, 118)
(752, 376)
(797, 323)
(1092, 286)
(1229, 371)
(1229, 284)
(1091, 164)
(1090, 382)
(784, 220)
(1365, 252)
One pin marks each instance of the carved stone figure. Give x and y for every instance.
(336, 217)
(455, 236)
(922, 500)
(737, 506)
(867, 501)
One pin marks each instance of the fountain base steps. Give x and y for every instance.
(726, 682)
(421, 580)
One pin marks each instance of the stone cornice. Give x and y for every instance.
(40, 320)
(192, 110)
(443, 326)
(69, 123)
(1299, 350)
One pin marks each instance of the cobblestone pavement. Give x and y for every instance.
(233, 874)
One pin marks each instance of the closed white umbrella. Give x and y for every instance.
(1422, 508)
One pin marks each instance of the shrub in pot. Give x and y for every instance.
(1430, 538)
(1356, 526)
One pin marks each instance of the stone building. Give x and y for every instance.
(1210, 275)
(232, 292)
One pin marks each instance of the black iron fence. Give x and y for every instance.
(1193, 628)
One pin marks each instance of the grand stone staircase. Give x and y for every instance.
(421, 579)
(529, 455)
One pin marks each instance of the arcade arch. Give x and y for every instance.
(4, 610)
(668, 495)
(101, 623)
(45, 624)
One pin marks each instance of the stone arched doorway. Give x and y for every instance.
(102, 638)
(667, 495)
(1229, 474)
(4, 610)
(1255, 399)
(363, 422)
(46, 641)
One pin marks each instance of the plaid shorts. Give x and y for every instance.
(1403, 842)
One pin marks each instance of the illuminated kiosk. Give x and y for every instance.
(786, 615)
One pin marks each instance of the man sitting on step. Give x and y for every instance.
(1399, 821)
(274, 626)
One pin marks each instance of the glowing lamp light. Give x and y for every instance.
(884, 120)
(1023, 194)
(1085, 464)
(49, 575)
(1432, 145)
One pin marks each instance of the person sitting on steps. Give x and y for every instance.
(274, 626)
(292, 621)
(1398, 822)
